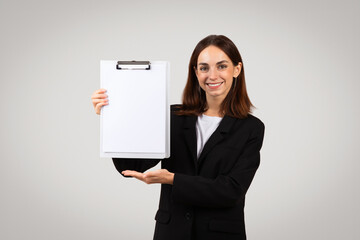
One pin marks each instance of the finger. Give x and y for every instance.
(99, 106)
(97, 92)
(99, 96)
(101, 90)
(135, 174)
(96, 101)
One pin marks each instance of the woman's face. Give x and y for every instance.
(215, 72)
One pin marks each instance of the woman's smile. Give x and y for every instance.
(214, 85)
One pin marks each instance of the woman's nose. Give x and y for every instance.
(213, 74)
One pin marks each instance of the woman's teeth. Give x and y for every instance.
(214, 84)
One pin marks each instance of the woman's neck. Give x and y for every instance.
(213, 105)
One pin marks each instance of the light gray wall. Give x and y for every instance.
(301, 62)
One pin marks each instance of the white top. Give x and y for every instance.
(205, 126)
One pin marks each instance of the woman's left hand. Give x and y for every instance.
(157, 176)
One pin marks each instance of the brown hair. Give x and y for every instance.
(236, 104)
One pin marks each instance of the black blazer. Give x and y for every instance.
(206, 200)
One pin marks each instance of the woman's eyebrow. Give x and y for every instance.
(223, 61)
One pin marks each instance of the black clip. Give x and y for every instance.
(133, 65)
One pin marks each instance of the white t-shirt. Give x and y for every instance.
(205, 126)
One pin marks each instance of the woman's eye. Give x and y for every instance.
(204, 69)
(222, 66)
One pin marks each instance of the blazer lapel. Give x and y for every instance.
(223, 128)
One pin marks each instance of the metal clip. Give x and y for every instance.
(133, 65)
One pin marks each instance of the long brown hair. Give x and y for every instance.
(237, 103)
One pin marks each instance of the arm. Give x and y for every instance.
(225, 190)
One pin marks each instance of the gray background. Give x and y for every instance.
(301, 62)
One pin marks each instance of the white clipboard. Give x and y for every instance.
(136, 122)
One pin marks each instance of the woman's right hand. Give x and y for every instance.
(99, 99)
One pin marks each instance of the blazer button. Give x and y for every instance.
(187, 216)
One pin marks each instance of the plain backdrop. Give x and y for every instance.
(301, 61)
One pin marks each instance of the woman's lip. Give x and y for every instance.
(214, 85)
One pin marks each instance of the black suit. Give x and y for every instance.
(206, 200)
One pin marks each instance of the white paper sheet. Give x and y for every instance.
(135, 124)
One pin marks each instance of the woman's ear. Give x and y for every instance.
(237, 70)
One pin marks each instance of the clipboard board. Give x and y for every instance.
(136, 122)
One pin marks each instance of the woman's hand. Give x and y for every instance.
(157, 176)
(99, 99)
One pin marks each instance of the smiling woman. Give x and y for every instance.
(215, 150)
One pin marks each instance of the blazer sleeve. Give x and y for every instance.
(139, 165)
(224, 190)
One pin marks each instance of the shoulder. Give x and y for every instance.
(256, 127)
(250, 125)
(175, 107)
(255, 122)
(176, 118)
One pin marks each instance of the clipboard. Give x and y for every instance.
(136, 122)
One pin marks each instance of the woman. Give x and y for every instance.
(215, 149)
